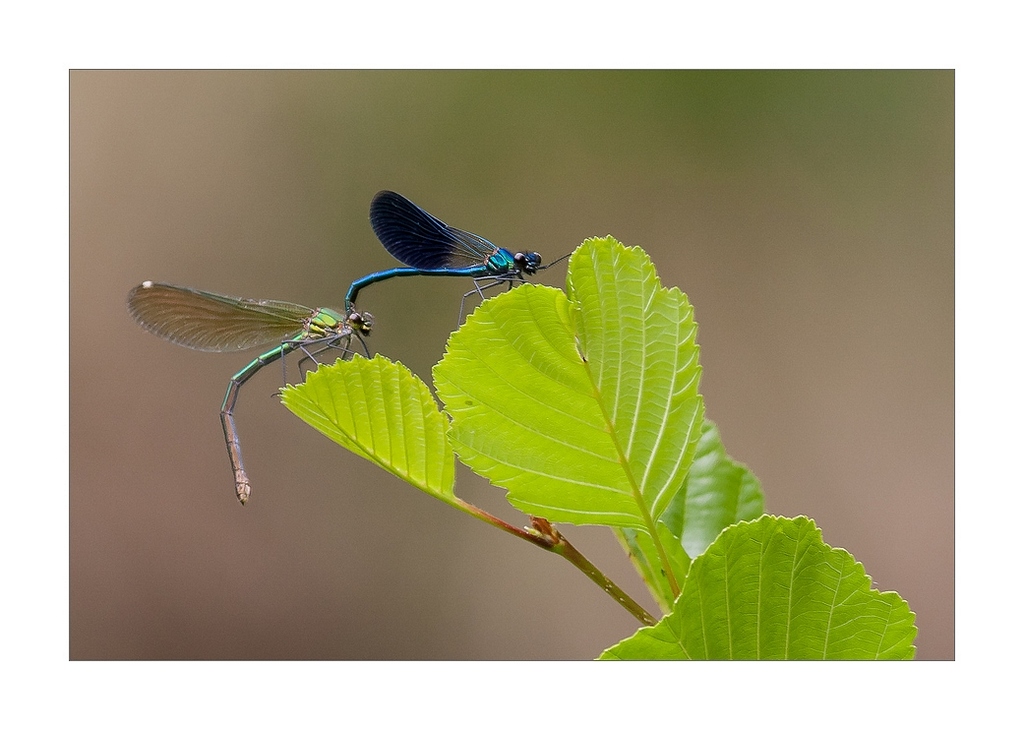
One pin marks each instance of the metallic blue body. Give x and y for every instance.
(430, 247)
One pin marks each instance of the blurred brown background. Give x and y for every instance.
(808, 215)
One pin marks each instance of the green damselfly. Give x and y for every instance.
(216, 323)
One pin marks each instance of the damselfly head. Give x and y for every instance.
(528, 262)
(361, 322)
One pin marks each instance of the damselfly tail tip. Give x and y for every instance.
(243, 490)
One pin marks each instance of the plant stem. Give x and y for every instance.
(546, 536)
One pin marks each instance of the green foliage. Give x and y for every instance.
(716, 493)
(379, 410)
(584, 406)
(646, 558)
(772, 589)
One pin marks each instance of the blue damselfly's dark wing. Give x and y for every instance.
(420, 240)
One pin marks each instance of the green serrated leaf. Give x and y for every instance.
(773, 589)
(585, 408)
(717, 492)
(379, 410)
(639, 341)
(646, 558)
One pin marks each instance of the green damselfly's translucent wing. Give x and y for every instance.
(213, 322)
